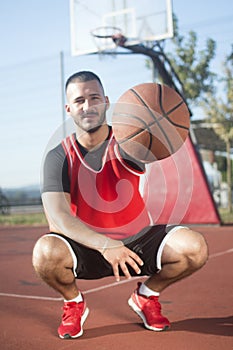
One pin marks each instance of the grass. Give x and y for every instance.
(227, 218)
(23, 219)
(39, 218)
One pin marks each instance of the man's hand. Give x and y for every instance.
(121, 257)
(57, 208)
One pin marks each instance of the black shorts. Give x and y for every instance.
(147, 244)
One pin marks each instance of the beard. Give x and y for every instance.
(94, 129)
(91, 127)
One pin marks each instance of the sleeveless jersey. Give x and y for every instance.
(107, 200)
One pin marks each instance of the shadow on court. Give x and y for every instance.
(212, 325)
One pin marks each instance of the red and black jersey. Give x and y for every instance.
(105, 197)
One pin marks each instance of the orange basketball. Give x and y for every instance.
(150, 122)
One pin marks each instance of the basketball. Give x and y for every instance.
(150, 122)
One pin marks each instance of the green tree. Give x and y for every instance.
(219, 111)
(192, 65)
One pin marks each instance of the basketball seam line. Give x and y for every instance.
(146, 126)
(152, 114)
(138, 132)
(166, 114)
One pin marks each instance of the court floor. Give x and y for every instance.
(200, 307)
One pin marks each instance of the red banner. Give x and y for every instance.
(176, 190)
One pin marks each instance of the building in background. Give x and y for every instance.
(212, 150)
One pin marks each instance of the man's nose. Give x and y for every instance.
(86, 105)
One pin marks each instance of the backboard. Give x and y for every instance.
(140, 21)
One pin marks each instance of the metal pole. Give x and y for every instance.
(62, 93)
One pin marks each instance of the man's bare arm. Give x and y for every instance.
(57, 209)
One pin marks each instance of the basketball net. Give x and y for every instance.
(107, 40)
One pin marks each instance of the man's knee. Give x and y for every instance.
(48, 252)
(42, 250)
(196, 250)
(190, 246)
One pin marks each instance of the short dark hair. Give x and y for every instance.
(83, 76)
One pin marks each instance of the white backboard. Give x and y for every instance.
(141, 21)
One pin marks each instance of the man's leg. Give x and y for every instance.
(184, 253)
(53, 262)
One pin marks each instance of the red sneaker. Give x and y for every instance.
(149, 309)
(73, 319)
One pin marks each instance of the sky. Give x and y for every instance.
(33, 35)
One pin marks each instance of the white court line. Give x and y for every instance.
(114, 284)
(221, 253)
(97, 289)
(29, 297)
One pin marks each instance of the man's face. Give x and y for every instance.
(87, 104)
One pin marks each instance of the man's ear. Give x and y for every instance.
(107, 102)
(67, 108)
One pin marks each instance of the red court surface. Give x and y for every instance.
(200, 307)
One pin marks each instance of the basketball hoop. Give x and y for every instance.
(109, 25)
(107, 39)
